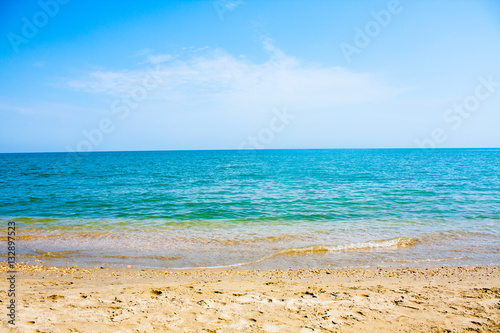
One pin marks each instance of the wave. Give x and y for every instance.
(269, 239)
(45, 254)
(146, 236)
(423, 260)
(397, 242)
(32, 237)
(393, 242)
(143, 257)
(71, 254)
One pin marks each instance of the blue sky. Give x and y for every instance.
(147, 75)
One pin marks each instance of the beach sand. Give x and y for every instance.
(434, 299)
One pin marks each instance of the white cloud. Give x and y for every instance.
(158, 59)
(232, 5)
(219, 78)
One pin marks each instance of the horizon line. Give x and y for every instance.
(238, 149)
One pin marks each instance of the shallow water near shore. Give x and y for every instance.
(255, 209)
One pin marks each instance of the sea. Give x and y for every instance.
(254, 209)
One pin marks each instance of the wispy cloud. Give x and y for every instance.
(39, 64)
(158, 59)
(216, 76)
(232, 5)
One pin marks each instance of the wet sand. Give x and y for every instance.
(443, 299)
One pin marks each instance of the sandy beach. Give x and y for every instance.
(74, 299)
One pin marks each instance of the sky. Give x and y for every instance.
(179, 75)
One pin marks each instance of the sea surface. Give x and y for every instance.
(257, 209)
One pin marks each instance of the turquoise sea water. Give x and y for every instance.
(255, 209)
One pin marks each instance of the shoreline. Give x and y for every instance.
(418, 299)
